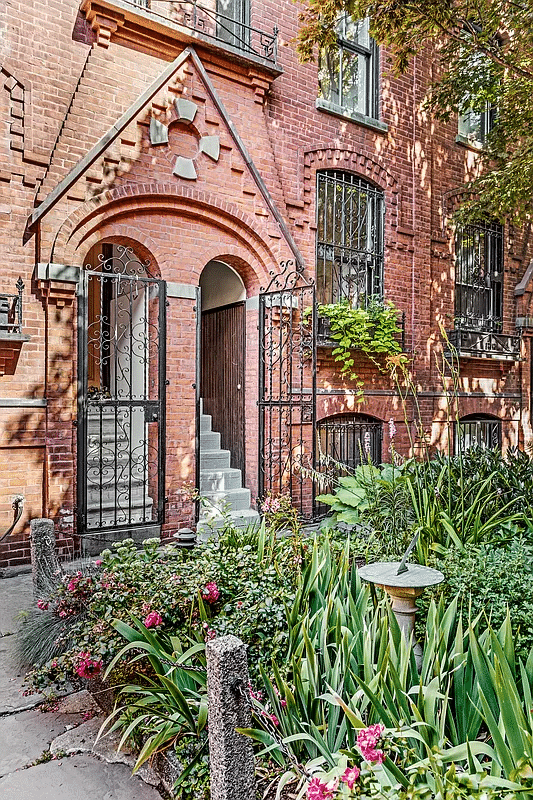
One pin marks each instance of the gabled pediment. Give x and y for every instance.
(178, 129)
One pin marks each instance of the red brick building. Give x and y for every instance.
(160, 164)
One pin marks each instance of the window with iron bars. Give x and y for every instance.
(477, 430)
(347, 440)
(349, 244)
(479, 277)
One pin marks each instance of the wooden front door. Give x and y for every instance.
(222, 376)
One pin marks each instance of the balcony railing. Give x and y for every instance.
(11, 313)
(232, 32)
(468, 343)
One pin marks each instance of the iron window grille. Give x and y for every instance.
(347, 440)
(348, 73)
(477, 430)
(349, 245)
(479, 277)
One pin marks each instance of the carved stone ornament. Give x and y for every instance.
(208, 145)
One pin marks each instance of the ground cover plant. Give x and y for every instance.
(237, 583)
(332, 679)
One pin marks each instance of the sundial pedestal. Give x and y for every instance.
(403, 590)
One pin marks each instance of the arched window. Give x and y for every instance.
(349, 243)
(477, 430)
(349, 440)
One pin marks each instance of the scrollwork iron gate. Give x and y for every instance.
(121, 408)
(287, 387)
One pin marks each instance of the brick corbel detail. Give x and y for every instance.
(57, 293)
(103, 24)
(260, 85)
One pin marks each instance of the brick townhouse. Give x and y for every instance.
(177, 194)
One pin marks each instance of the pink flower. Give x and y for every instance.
(87, 666)
(283, 703)
(272, 717)
(210, 592)
(153, 619)
(255, 695)
(349, 776)
(367, 740)
(71, 585)
(98, 562)
(317, 790)
(42, 604)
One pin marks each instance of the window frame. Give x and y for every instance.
(494, 430)
(487, 122)
(372, 94)
(358, 425)
(331, 255)
(469, 288)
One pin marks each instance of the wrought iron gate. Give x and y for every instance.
(287, 387)
(121, 401)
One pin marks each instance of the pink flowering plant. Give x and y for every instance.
(232, 584)
(279, 513)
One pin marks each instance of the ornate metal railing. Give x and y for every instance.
(234, 32)
(469, 343)
(348, 441)
(484, 433)
(349, 243)
(11, 311)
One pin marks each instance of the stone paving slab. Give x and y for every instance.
(12, 680)
(76, 778)
(83, 739)
(16, 596)
(25, 736)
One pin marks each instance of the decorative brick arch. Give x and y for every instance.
(328, 157)
(102, 216)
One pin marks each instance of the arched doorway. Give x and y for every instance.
(121, 378)
(223, 352)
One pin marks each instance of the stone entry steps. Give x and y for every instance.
(220, 485)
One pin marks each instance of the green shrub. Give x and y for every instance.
(489, 581)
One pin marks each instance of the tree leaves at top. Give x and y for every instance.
(483, 54)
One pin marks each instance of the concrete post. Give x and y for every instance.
(44, 563)
(231, 759)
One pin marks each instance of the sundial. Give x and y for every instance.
(403, 582)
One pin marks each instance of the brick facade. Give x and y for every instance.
(69, 76)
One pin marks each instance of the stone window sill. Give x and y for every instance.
(351, 116)
(466, 142)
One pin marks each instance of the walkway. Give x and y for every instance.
(50, 755)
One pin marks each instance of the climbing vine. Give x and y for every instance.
(373, 330)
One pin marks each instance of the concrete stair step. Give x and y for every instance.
(218, 480)
(205, 423)
(240, 519)
(214, 459)
(109, 494)
(209, 440)
(226, 501)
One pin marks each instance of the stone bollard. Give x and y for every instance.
(231, 759)
(44, 563)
